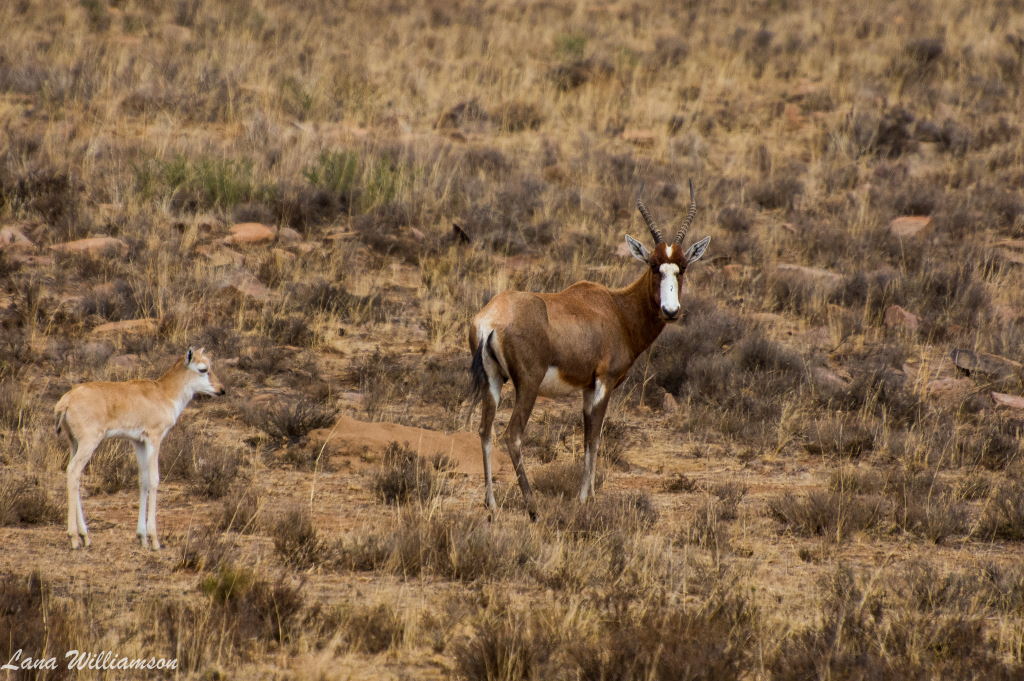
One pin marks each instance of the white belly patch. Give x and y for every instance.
(554, 386)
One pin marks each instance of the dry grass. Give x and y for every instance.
(794, 413)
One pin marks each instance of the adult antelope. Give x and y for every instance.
(583, 338)
(141, 411)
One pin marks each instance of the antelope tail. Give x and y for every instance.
(478, 374)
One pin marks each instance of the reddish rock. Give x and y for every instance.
(897, 317)
(95, 245)
(640, 138)
(248, 233)
(1006, 400)
(220, 256)
(910, 226)
(245, 284)
(985, 363)
(949, 388)
(126, 362)
(13, 238)
(825, 378)
(808, 273)
(140, 326)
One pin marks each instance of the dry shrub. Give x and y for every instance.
(708, 529)
(680, 482)
(114, 467)
(729, 494)
(297, 541)
(994, 443)
(209, 466)
(602, 515)
(24, 501)
(290, 419)
(508, 644)
(241, 509)
(449, 544)
(205, 550)
(1003, 517)
(562, 479)
(372, 629)
(865, 634)
(406, 476)
(16, 404)
(661, 638)
(835, 515)
(34, 621)
(839, 436)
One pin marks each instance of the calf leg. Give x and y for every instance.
(140, 457)
(153, 466)
(81, 452)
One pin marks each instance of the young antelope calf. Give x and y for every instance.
(141, 411)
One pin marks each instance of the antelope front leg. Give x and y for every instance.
(595, 402)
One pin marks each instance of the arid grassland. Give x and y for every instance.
(816, 474)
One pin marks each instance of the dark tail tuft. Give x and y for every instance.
(478, 375)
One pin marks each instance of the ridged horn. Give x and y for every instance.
(651, 224)
(681, 234)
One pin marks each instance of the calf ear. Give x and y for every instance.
(638, 250)
(696, 251)
(188, 356)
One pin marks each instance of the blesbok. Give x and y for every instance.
(584, 338)
(141, 411)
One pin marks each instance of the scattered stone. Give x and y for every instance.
(825, 378)
(640, 138)
(220, 256)
(126, 362)
(281, 254)
(246, 285)
(95, 245)
(147, 325)
(949, 388)
(811, 274)
(288, 235)
(897, 317)
(669, 403)
(736, 272)
(990, 365)
(13, 238)
(1006, 400)
(247, 233)
(909, 226)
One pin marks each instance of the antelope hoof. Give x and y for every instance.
(76, 542)
(143, 541)
(533, 515)
(154, 543)
(86, 541)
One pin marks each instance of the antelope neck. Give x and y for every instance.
(641, 318)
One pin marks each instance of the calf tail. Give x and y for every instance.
(60, 412)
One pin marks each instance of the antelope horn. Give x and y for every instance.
(681, 234)
(651, 224)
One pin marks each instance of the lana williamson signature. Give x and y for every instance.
(82, 659)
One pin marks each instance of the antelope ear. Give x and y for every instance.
(188, 356)
(696, 251)
(638, 250)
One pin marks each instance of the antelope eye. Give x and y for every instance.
(203, 370)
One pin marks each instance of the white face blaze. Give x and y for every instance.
(670, 289)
